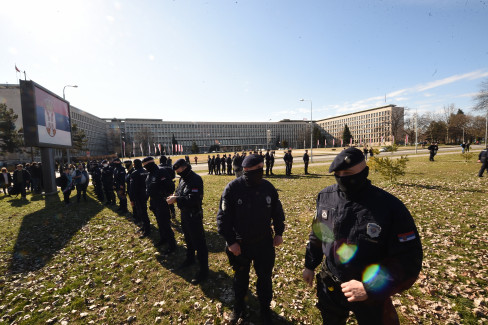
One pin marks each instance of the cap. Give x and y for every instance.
(128, 162)
(346, 159)
(162, 159)
(104, 162)
(117, 159)
(147, 160)
(179, 163)
(252, 160)
(137, 163)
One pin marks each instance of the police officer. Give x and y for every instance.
(188, 197)
(371, 245)
(217, 165)
(271, 162)
(137, 185)
(483, 159)
(229, 165)
(212, 164)
(237, 163)
(209, 164)
(107, 178)
(130, 169)
(96, 176)
(306, 158)
(288, 158)
(249, 211)
(158, 186)
(163, 162)
(119, 185)
(433, 150)
(267, 159)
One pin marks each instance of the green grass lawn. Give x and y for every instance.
(84, 263)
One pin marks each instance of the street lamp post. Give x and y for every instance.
(64, 97)
(311, 126)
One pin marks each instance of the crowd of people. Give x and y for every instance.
(351, 216)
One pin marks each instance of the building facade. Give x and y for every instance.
(143, 136)
(375, 126)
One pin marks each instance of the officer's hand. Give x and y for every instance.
(171, 199)
(277, 241)
(235, 249)
(354, 291)
(308, 276)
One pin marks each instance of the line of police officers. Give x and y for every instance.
(369, 239)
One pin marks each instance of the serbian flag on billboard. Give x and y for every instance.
(406, 138)
(350, 142)
(53, 122)
(342, 141)
(333, 142)
(159, 146)
(142, 152)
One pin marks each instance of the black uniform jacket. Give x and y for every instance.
(159, 184)
(372, 239)
(247, 213)
(107, 176)
(137, 184)
(119, 177)
(190, 192)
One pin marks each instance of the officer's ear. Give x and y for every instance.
(366, 171)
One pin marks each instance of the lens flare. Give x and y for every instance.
(375, 277)
(323, 232)
(346, 252)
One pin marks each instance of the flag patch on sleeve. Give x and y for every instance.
(194, 190)
(406, 236)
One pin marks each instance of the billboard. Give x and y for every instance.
(46, 117)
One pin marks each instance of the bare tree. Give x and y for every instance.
(397, 122)
(145, 136)
(447, 114)
(482, 104)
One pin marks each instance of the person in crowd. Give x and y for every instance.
(370, 242)
(251, 220)
(5, 181)
(189, 196)
(306, 159)
(21, 178)
(81, 181)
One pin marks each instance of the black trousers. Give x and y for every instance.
(262, 255)
(306, 167)
(161, 211)
(140, 207)
(66, 196)
(81, 189)
(122, 198)
(484, 166)
(431, 156)
(97, 188)
(267, 169)
(109, 193)
(334, 307)
(288, 168)
(194, 234)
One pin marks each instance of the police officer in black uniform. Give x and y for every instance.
(107, 178)
(267, 160)
(96, 176)
(137, 185)
(163, 162)
(271, 162)
(371, 244)
(217, 165)
(158, 186)
(229, 165)
(130, 169)
(288, 158)
(249, 212)
(433, 150)
(188, 196)
(119, 185)
(306, 158)
(222, 162)
(237, 163)
(483, 159)
(209, 164)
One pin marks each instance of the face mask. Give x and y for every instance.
(185, 172)
(353, 183)
(105, 165)
(253, 177)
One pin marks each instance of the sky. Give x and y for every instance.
(248, 60)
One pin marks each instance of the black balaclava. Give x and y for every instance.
(185, 173)
(353, 183)
(253, 177)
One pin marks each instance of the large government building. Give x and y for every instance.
(376, 126)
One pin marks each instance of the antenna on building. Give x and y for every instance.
(385, 98)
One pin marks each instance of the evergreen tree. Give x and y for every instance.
(10, 139)
(194, 148)
(79, 138)
(346, 135)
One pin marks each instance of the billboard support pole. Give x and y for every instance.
(48, 175)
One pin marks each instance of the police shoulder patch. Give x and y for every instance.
(373, 230)
(268, 199)
(239, 201)
(325, 215)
